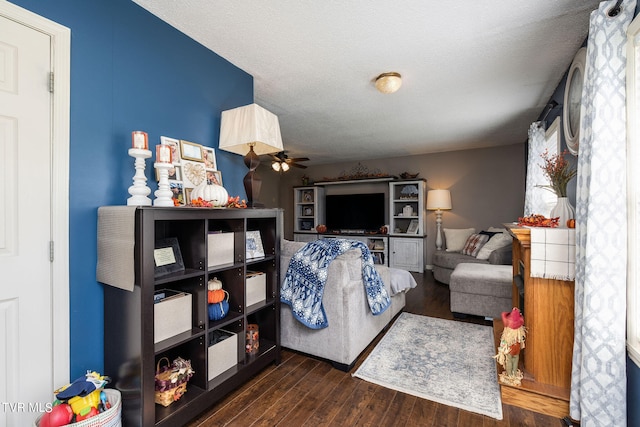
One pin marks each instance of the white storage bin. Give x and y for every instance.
(220, 249)
(223, 354)
(256, 287)
(171, 314)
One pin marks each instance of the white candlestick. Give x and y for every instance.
(163, 193)
(139, 190)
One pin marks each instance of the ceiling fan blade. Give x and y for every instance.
(296, 165)
(298, 159)
(275, 157)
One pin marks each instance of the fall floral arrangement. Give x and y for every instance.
(559, 172)
(233, 202)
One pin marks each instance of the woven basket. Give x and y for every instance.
(112, 417)
(171, 380)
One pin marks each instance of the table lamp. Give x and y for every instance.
(250, 131)
(437, 200)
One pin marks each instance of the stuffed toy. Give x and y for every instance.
(511, 342)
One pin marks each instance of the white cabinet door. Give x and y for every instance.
(407, 253)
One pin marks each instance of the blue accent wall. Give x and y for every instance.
(129, 71)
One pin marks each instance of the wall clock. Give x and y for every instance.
(572, 100)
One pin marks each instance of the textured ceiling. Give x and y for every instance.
(475, 73)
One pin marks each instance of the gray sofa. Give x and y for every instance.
(445, 262)
(352, 326)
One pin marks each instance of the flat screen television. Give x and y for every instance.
(354, 212)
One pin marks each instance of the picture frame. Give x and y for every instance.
(307, 211)
(167, 257)
(307, 196)
(214, 177)
(174, 173)
(306, 225)
(191, 151)
(413, 227)
(254, 245)
(177, 190)
(209, 158)
(175, 148)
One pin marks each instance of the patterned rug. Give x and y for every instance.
(440, 360)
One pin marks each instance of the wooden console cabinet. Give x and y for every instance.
(548, 309)
(131, 349)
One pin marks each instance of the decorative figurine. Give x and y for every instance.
(511, 342)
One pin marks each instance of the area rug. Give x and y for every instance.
(440, 360)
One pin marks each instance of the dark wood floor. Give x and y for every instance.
(303, 391)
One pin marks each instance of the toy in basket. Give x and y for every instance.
(171, 380)
(84, 402)
(218, 300)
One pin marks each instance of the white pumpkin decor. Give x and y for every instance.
(214, 284)
(214, 193)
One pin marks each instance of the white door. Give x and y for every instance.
(26, 323)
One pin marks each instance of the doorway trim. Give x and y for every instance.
(61, 66)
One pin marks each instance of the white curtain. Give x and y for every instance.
(598, 383)
(538, 200)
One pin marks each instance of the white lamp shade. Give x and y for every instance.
(438, 199)
(250, 125)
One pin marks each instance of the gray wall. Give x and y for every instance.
(487, 185)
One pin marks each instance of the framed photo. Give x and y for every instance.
(413, 227)
(209, 157)
(175, 150)
(174, 174)
(167, 257)
(193, 173)
(187, 195)
(307, 196)
(178, 192)
(191, 151)
(214, 177)
(306, 225)
(307, 211)
(254, 245)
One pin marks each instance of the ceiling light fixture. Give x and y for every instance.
(279, 166)
(388, 82)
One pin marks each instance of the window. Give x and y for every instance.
(540, 200)
(633, 190)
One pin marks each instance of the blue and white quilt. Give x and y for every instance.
(304, 283)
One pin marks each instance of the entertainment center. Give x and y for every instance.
(386, 214)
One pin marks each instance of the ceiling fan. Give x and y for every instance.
(282, 162)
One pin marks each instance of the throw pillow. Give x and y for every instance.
(474, 243)
(457, 237)
(498, 241)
